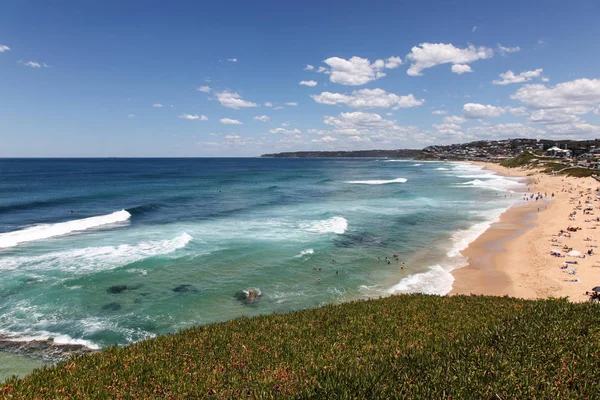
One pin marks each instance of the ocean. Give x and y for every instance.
(112, 251)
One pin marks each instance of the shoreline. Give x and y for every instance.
(512, 257)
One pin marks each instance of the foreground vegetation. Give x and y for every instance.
(410, 346)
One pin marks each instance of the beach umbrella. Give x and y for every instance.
(596, 289)
(574, 253)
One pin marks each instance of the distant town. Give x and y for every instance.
(580, 153)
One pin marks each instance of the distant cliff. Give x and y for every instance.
(340, 154)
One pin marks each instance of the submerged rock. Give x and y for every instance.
(116, 289)
(185, 288)
(112, 307)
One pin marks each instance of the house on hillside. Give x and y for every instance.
(558, 152)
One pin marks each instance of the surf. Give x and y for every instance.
(47, 231)
(379, 182)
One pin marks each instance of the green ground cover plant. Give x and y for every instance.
(408, 346)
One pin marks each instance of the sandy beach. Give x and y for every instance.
(513, 256)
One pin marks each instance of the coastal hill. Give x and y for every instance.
(346, 154)
(478, 150)
(408, 346)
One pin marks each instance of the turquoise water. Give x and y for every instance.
(184, 236)
(15, 364)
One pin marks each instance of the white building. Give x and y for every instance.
(558, 152)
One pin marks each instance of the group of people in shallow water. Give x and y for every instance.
(387, 260)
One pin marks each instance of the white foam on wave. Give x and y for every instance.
(332, 225)
(462, 238)
(442, 169)
(417, 165)
(379, 182)
(305, 253)
(398, 161)
(91, 259)
(46, 231)
(437, 280)
(45, 335)
(499, 184)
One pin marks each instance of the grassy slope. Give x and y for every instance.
(411, 346)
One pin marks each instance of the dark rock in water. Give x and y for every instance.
(112, 307)
(45, 350)
(185, 289)
(145, 294)
(116, 289)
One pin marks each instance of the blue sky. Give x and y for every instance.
(159, 78)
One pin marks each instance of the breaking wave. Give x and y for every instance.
(379, 182)
(46, 231)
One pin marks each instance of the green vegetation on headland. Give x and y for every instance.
(409, 346)
(547, 165)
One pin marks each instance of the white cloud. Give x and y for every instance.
(577, 128)
(278, 108)
(233, 100)
(309, 67)
(234, 60)
(509, 77)
(597, 111)
(357, 71)
(309, 83)
(285, 124)
(285, 131)
(325, 139)
(461, 68)
(503, 50)
(361, 124)
(131, 115)
(553, 116)
(157, 105)
(357, 120)
(478, 111)
(359, 139)
(291, 103)
(204, 89)
(369, 98)
(193, 117)
(474, 28)
(34, 64)
(579, 95)
(262, 118)
(517, 110)
(428, 55)
(319, 131)
(232, 137)
(502, 131)
(4, 48)
(454, 119)
(439, 112)
(393, 62)
(268, 104)
(229, 121)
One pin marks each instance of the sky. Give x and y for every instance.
(244, 78)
